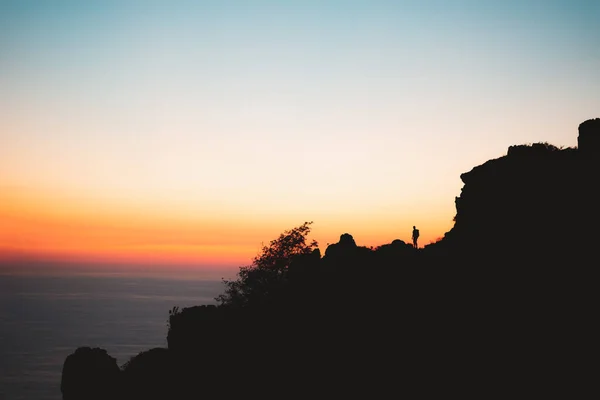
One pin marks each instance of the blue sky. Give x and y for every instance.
(360, 115)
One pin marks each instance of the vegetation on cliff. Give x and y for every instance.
(504, 299)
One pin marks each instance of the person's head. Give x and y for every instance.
(414, 227)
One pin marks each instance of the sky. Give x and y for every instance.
(191, 133)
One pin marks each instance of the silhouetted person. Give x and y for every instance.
(415, 236)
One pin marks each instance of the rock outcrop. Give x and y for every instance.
(588, 141)
(152, 374)
(536, 203)
(90, 374)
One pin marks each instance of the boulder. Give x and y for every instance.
(90, 374)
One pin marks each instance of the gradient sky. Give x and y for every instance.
(190, 132)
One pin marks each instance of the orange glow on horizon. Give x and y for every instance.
(45, 227)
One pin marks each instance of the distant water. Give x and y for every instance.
(44, 319)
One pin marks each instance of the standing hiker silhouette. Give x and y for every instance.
(415, 236)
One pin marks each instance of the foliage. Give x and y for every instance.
(172, 313)
(268, 273)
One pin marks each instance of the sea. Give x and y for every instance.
(44, 318)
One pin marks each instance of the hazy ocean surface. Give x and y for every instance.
(43, 319)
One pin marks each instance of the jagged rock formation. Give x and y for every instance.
(523, 248)
(536, 203)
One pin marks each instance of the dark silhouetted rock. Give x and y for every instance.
(90, 374)
(395, 254)
(345, 250)
(531, 206)
(588, 141)
(150, 375)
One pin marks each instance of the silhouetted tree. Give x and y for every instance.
(265, 277)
